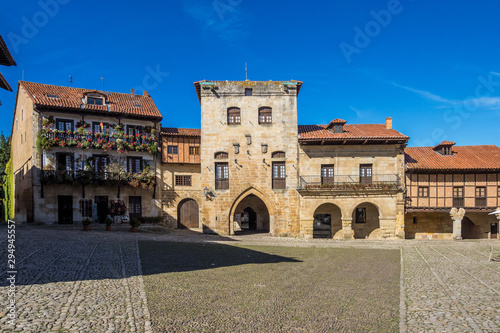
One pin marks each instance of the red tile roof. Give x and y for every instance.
(463, 158)
(445, 144)
(71, 99)
(172, 131)
(376, 132)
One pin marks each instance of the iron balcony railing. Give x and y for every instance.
(145, 179)
(142, 142)
(375, 181)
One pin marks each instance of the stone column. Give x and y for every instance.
(347, 231)
(457, 215)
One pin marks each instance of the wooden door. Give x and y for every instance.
(327, 174)
(365, 173)
(188, 214)
(494, 230)
(134, 207)
(65, 209)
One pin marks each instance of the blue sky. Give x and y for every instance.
(431, 65)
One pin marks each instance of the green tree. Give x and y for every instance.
(4, 151)
(7, 188)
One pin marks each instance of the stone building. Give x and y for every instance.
(259, 170)
(76, 151)
(451, 190)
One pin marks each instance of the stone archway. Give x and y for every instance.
(327, 221)
(188, 214)
(365, 221)
(251, 213)
(469, 229)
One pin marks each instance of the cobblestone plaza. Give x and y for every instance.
(76, 281)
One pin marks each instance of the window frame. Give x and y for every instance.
(265, 115)
(98, 124)
(194, 150)
(172, 151)
(233, 115)
(94, 100)
(183, 180)
(278, 175)
(423, 191)
(134, 165)
(364, 178)
(65, 121)
(326, 169)
(221, 169)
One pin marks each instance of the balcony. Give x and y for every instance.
(50, 138)
(458, 202)
(313, 184)
(144, 179)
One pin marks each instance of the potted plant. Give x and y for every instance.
(108, 221)
(86, 224)
(134, 223)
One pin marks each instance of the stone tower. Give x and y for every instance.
(249, 156)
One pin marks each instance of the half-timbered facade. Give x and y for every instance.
(451, 190)
(81, 153)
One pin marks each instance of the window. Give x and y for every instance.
(327, 174)
(279, 175)
(64, 161)
(22, 114)
(194, 150)
(95, 101)
(248, 91)
(498, 192)
(134, 130)
(52, 96)
(100, 163)
(64, 125)
(480, 196)
(365, 173)
(423, 191)
(96, 127)
(183, 180)
(265, 115)
(221, 176)
(458, 196)
(172, 150)
(134, 164)
(278, 154)
(233, 116)
(338, 129)
(221, 156)
(360, 215)
(446, 151)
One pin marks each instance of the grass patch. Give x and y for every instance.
(223, 288)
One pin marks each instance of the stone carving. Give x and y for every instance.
(457, 214)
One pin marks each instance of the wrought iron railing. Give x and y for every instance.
(376, 181)
(81, 177)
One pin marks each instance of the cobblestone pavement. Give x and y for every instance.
(73, 281)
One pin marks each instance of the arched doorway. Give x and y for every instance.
(365, 221)
(327, 221)
(251, 214)
(469, 229)
(188, 214)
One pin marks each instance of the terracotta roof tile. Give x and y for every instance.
(445, 144)
(6, 58)
(464, 158)
(71, 98)
(181, 131)
(351, 132)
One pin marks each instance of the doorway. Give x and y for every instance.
(134, 207)
(102, 208)
(188, 214)
(494, 230)
(65, 209)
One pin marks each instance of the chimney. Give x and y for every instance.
(146, 94)
(388, 123)
(132, 91)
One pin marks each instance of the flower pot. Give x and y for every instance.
(132, 229)
(108, 228)
(86, 227)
